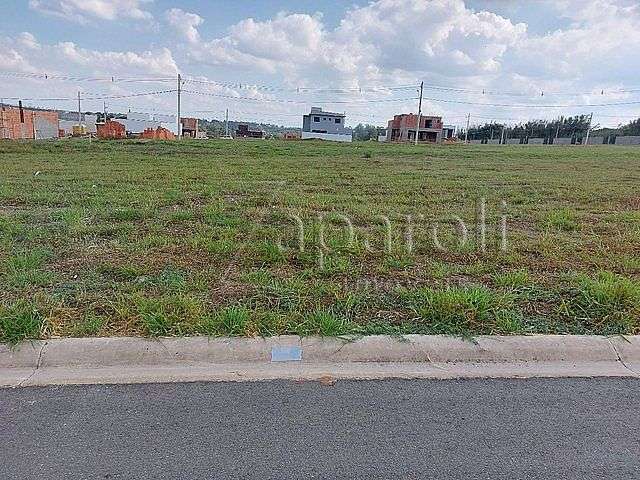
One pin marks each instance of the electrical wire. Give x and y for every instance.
(302, 102)
(92, 96)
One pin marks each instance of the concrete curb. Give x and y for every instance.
(127, 360)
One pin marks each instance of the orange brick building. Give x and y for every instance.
(111, 130)
(20, 123)
(159, 133)
(403, 128)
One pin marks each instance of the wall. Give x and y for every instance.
(327, 136)
(46, 127)
(536, 141)
(111, 130)
(158, 134)
(512, 141)
(596, 140)
(628, 140)
(39, 124)
(562, 141)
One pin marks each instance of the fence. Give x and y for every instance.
(626, 140)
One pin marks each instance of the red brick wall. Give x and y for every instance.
(410, 120)
(11, 127)
(158, 134)
(111, 130)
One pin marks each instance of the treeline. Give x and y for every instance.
(216, 128)
(631, 128)
(365, 132)
(561, 127)
(566, 127)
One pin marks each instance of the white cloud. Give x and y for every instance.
(25, 54)
(378, 42)
(586, 46)
(82, 11)
(185, 23)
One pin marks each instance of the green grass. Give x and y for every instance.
(606, 302)
(20, 321)
(182, 238)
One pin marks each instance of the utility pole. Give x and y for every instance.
(466, 132)
(179, 123)
(104, 111)
(79, 113)
(586, 141)
(2, 129)
(419, 112)
(226, 123)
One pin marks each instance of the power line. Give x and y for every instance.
(302, 89)
(91, 96)
(303, 102)
(533, 105)
(109, 79)
(253, 87)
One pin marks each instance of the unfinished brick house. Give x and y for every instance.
(159, 133)
(243, 132)
(189, 127)
(111, 130)
(18, 123)
(403, 128)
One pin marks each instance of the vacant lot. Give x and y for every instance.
(145, 238)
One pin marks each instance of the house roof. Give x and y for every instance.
(319, 111)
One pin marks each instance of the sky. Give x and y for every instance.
(270, 61)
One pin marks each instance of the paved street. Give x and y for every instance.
(463, 429)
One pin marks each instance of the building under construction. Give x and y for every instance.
(189, 127)
(403, 128)
(18, 123)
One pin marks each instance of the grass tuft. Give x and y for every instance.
(607, 303)
(563, 219)
(20, 321)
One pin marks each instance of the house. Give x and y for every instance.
(243, 132)
(160, 133)
(449, 131)
(403, 128)
(325, 126)
(291, 136)
(20, 123)
(111, 130)
(189, 127)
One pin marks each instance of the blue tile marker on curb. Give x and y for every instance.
(286, 354)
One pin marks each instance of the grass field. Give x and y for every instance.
(181, 238)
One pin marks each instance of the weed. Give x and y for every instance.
(20, 321)
(513, 279)
(233, 321)
(563, 219)
(24, 268)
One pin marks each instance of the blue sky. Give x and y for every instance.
(494, 58)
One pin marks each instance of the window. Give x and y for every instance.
(316, 119)
(337, 120)
(324, 118)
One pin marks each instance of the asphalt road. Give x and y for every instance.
(463, 429)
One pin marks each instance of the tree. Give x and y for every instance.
(365, 132)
